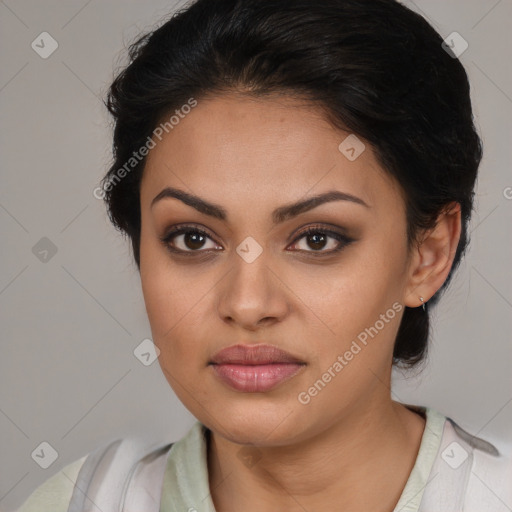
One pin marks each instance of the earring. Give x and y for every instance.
(422, 303)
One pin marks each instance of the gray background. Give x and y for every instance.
(68, 374)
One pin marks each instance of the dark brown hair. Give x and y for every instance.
(374, 67)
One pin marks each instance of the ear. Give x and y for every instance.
(432, 259)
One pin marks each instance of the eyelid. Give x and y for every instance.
(179, 229)
(323, 227)
(186, 227)
(339, 234)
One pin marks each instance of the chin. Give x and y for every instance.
(255, 422)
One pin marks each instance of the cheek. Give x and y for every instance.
(178, 301)
(346, 296)
(357, 300)
(172, 305)
(166, 295)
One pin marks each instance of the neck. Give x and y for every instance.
(362, 462)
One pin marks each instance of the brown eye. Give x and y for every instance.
(188, 240)
(193, 240)
(318, 239)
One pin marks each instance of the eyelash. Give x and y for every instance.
(343, 240)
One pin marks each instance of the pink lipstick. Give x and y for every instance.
(254, 368)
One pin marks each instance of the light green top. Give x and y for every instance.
(54, 494)
(186, 486)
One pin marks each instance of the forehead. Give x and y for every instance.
(273, 150)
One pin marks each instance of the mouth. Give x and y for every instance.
(255, 368)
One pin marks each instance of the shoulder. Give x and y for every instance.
(470, 472)
(102, 472)
(489, 481)
(55, 493)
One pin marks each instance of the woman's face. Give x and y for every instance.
(256, 278)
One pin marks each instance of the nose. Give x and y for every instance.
(253, 294)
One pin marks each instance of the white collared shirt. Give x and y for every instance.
(454, 472)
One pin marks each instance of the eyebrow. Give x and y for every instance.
(278, 215)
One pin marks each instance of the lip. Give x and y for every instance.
(255, 368)
(253, 355)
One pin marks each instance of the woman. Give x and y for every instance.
(296, 180)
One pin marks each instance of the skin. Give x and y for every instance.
(351, 447)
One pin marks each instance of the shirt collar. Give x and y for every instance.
(186, 484)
